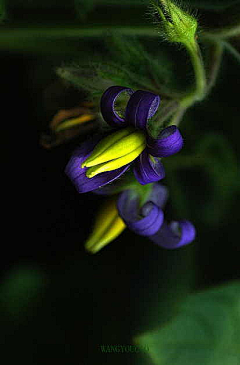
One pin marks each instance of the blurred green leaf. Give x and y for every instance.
(19, 289)
(85, 78)
(205, 331)
(2, 10)
(152, 71)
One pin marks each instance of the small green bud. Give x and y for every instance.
(176, 24)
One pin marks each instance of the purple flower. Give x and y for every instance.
(100, 161)
(148, 220)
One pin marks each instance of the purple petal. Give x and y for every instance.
(77, 175)
(158, 195)
(175, 235)
(148, 169)
(145, 221)
(141, 106)
(107, 105)
(169, 141)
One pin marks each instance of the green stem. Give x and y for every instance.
(199, 91)
(223, 33)
(231, 49)
(23, 39)
(178, 116)
(216, 52)
(200, 78)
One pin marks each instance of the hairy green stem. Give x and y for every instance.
(200, 78)
(199, 91)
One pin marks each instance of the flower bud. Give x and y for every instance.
(108, 226)
(175, 23)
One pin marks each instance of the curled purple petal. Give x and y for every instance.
(169, 141)
(141, 106)
(148, 169)
(107, 105)
(145, 221)
(77, 174)
(174, 235)
(158, 195)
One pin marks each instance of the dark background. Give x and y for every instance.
(58, 303)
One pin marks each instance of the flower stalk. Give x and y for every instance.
(200, 76)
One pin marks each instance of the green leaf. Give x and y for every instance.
(155, 66)
(205, 331)
(85, 78)
(125, 62)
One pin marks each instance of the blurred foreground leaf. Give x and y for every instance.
(205, 331)
(20, 288)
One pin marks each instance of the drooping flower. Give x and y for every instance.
(145, 219)
(103, 159)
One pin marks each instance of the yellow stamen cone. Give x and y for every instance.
(104, 145)
(107, 227)
(101, 152)
(115, 164)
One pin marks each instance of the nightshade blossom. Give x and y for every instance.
(149, 219)
(102, 159)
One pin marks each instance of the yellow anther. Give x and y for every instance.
(100, 152)
(114, 151)
(115, 164)
(108, 226)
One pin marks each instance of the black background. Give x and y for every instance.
(110, 297)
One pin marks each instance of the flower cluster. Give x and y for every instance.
(105, 157)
